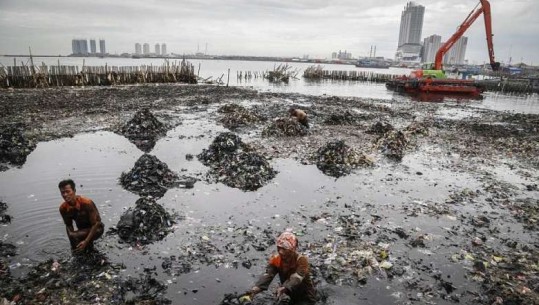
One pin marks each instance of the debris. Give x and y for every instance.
(236, 116)
(285, 127)
(144, 129)
(380, 128)
(4, 218)
(342, 118)
(14, 145)
(337, 159)
(393, 144)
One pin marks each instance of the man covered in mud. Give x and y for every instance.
(84, 213)
(299, 115)
(293, 268)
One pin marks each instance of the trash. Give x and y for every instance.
(151, 177)
(143, 130)
(285, 127)
(380, 128)
(342, 118)
(235, 116)
(145, 223)
(4, 218)
(233, 164)
(393, 144)
(14, 145)
(337, 159)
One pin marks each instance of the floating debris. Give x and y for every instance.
(145, 290)
(4, 218)
(393, 144)
(144, 129)
(380, 128)
(285, 127)
(236, 116)
(151, 177)
(337, 159)
(14, 146)
(233, 164)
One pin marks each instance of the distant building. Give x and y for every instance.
(163, 49)
(341, 55)
(431, 45)
(102, 49)
(79, 46)
(457, 53)
(138, 49)
(409, 47)
(157, 49)
(146, 48)
(93, 48)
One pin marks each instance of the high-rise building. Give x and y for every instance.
(409, 47)
(138, 49)
(157, 49)
(92, 46)
(431, 45)
(146, 48)
(163, 49)
(102, 48)
(457, 53)
(79, 46)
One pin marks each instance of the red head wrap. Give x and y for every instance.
(288, 241)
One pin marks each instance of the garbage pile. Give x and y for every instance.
(342, 118)
(288, 127)
(336, 159)
(393, 144)
(4, 218)
(145, 290)
(236, 116)
(144, 129)
(14, 146)
(151, 177)
(233, 164)
(147, 222)
(417, 128)
(380, 128)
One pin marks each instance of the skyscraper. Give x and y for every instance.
(146, 48)
(157, 49)
(102, 49)
(79, 46)
(138, 48)
(457, 53)
(163, 49)
(409, 47)
(92, 46)
(431, 45)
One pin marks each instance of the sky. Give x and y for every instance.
(288, 28)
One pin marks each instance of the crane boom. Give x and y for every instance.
(483, 9)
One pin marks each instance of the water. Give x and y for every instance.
(218, 68)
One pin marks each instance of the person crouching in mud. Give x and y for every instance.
(300, 115)
(84, 213)
(293, 268)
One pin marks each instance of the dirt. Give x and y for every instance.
(356, 243)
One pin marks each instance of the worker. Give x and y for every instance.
(293, 268)
(84, 213)
(299, 115)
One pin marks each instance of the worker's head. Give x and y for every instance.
(292, 110)
(287, 244)
(68, 190)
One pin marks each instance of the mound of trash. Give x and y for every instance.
(236, 116)
(233, 163)
(14, 146)
(393, 144)
(380, 128)
(144, 129)
(288, 127)
(4, 218)
(337, 159)
(145, 223)
(342, 118)
(151, 177)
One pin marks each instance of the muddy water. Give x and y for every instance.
(96, 160)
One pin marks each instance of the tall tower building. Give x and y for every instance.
(157, 49)
(163, 49)
(102, 49)
(409, 47)
(431, 45)
(146, 48)
(79, 46)
(457, 53)
(138, 49)
(92, 46)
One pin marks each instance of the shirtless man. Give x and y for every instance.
(83, 212)
(300, 115)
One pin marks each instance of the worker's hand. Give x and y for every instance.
(255, 290)
(280, 291)
(81, 246)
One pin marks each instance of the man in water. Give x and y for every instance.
(84, 213)
(300, 115)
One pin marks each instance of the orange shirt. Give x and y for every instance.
(80, 212)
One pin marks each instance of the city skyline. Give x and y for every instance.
(265, 28)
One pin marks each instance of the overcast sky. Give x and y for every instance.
(260, 27)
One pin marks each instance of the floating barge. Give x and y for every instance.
(449, 86)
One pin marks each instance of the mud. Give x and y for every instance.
(15, 145)
(476, 244)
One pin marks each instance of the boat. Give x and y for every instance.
(372, 62)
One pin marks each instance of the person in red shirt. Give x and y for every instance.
(300, 116)
(84, 213)
(293, 268)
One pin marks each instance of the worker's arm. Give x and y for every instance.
(265, 279)
(297, 278)
(95, 220)
(67, 221)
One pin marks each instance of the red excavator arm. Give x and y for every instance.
(485, 9)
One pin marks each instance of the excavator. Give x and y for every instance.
(432, 79)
